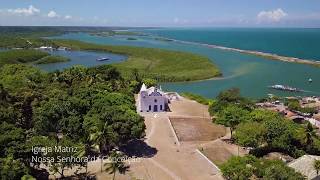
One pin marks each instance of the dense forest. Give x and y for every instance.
(91, 108)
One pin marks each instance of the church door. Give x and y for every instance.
(155, 108)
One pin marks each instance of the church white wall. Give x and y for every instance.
(155, 103)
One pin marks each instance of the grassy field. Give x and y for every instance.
(163, 65)
(21, 56)
(51, 59)
(196, 97)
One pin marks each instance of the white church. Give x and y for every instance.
(152, 100)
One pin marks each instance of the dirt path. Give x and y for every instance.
(172, 160)
(176, 162)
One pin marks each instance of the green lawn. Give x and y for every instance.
(164, 65)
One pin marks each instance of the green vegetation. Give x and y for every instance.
(52, 59)
(26, 37)
(132, 39)
(263, 130)
(231, 116)
(316, 166)
(159, 64)
(33, 36)
(250, 167)
(115, 33)
(195, 97)
(116, 164)
(20, 56)
(23, 42)
(294, 105)
(92, 110)
(28, 56)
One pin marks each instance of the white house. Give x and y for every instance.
(152, 100)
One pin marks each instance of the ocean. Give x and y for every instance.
(292, 42)
(251, 74)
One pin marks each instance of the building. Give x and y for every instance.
(304, 165)
(152, 100)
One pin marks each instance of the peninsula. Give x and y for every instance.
(163, 65)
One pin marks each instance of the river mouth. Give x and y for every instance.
(251, 74)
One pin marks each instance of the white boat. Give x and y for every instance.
(310, 80)
(285, 88)
(103, 59)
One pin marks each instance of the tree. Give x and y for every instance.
(238, 168)
(309, 134)
(279, 133)
(149, 82)
(11, 139)
(262, 115)
(116, 163)
(79, 102)
(27, 177)
(316, 166)
(250, 134)
(230, 95)
(11, 168)
(231, 116)
(276, 169)
(294, 105)
(250, 167)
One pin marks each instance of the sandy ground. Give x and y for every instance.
(163, 157)
(174, 160)
(196, 129)
(219, 151)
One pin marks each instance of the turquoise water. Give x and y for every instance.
(250, 73)
(292, 42)
(85, 58)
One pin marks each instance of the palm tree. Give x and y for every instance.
(316, 166)
(115, 163)
(98, 140)
(309, 134)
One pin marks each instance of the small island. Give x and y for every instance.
(131, 39)
(116, 33)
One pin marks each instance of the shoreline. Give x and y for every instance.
(154, 62)
(251, 52)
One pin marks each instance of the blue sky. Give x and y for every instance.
(172, 13)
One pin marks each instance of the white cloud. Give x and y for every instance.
(180, 21)
(176, 20)
(31, 10)
(272, 16)
(53, 14)
(68, 17)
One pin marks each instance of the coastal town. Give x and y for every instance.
(159, 90)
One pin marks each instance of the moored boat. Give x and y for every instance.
(285, 88)
(103, 59)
